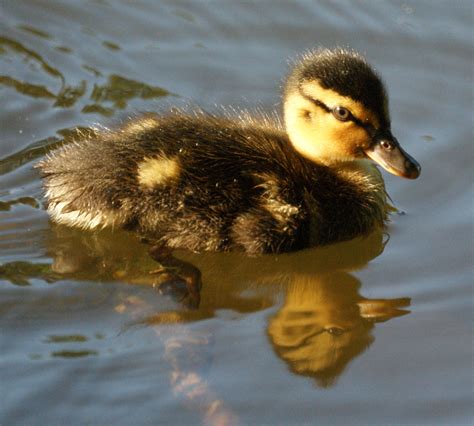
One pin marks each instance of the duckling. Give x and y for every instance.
(203, 182)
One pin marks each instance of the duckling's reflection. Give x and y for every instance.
(322, 325)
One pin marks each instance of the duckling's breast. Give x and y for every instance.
(346, 201)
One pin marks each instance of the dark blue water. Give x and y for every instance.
(86, 339)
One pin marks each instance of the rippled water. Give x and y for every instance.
(86, 339)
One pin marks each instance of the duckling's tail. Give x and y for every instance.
(76, 196)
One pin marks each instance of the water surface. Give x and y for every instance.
(368, 332)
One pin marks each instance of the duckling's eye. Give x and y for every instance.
(341, 113)
(335, 331)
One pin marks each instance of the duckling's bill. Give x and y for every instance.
(387, 152)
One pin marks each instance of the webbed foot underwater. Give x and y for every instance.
(207, 183)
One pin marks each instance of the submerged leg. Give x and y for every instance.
(176, 277)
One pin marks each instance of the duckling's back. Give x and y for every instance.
(204, 183)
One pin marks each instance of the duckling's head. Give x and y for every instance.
(336, 110)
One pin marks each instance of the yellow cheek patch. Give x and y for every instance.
(333, 99)
(323, 138)
(347, 137)
(157, 171)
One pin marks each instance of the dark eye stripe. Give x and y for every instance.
(366, 126)
(320, 104)
(371, 130)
